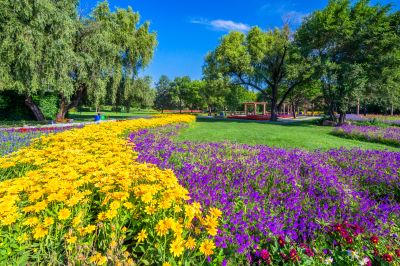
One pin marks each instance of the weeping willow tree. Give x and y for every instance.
(111, 48)
(45, 47)
(36, 48)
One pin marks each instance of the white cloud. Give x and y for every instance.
(222, 25)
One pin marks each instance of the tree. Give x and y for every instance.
(36, 48)
(350, 44)
(111, 47)
(46, 48)
(260, 60)
(181, 91)
(163, 98)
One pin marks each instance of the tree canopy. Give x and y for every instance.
(46, 47)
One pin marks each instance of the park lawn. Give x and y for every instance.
(303, 135)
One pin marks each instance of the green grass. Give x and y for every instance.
(304, 135)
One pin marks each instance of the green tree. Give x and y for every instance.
(351, 45)
(36, 49)
(163, 99)
(111, 47)
(261, 61)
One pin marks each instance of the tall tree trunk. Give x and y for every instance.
(391, 110)
(342, 118)
(358, 107)
(274, 102)
(34, 108)
(294, 110)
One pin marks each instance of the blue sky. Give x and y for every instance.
(187, 30)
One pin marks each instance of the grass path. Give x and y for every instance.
(304, 135)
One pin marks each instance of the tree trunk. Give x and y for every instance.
(358, 107)
(274, 111)
(391, 110)
(34, 108)
(294, 110)
(342, 118)
(365, 110)
(65, 106)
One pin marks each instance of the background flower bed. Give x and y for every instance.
(80, 197)
(300, 196)
(13, 139)
(386, 135)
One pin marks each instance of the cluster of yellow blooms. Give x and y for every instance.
(81, 196)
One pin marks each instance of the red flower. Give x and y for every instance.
(293, 254)
(281, 242)
(284, 256)
(338, 227)
(344, 233)
(265, 254)
(309, 252)
(374, 239)
(349, 240)
(387, 257)
(397, 251)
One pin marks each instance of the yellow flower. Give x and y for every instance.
(110, 214)
(71, 240)
(90, 228)
(115, 205)
(102, 260)
(161, 228)
(215, 212)
(128, 205)
(63, 214)
(48, 221)
(190, 243)
(40, 232)
(207, 247)
(212, 231)
(142, 235)
(177, 247)
(32, 221)
(102, 216)
(166, 264)
(150, 210)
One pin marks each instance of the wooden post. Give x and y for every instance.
(255, 109)
(245, 108)
(264, 109)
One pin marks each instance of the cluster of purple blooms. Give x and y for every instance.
(12, 139)
(264, 191)
(389, 135)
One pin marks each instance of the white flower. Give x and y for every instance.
(364, 261)
(353, 254)
(328, 261)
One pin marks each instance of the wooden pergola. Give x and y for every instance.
(255, 104)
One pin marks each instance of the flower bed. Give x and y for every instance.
(80, 197)
(13, 139)
(289, 207)
(387, 135)
(394, 120)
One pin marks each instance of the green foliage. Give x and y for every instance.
(45, 47)
(267, 62)
(48, 103)
(352, 45)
